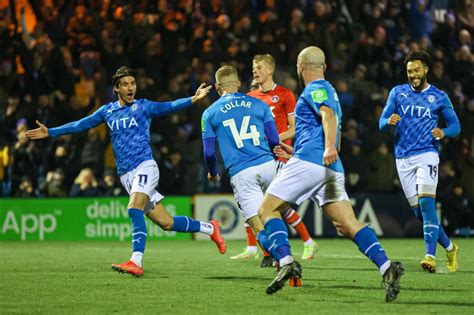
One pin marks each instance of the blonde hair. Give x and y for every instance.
(267, 58)
(82, 174)
(227, 75)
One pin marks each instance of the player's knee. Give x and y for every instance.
(262, 212)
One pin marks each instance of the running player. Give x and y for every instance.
(128, 121)
(414, 110)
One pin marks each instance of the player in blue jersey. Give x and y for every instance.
(246, 133)
(414, 109)
(316, 172)
(128, 121)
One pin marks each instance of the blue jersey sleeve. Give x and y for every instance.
(389, 109)
(155, 109)
(453, 127)
(209, 148)
(80, 125)
(206, 127)
(319, 97)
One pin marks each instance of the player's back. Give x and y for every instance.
(309, 133)
(237, 121)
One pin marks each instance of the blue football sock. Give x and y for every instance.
(278, 236)
(443, 239)
(138, 229)
(416, 210)
(430, 224)
(369, 245)
(267, 245)
(186, 224)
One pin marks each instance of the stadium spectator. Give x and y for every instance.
(172, 173)
(24, 154)
(25, 189)
(53, 185)
(41, 52)
(458, 212)
(92, 153)
(110, 186)
(85, 184)
(382, 174)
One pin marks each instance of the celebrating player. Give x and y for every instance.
(241, 124)
(282, 104)
(128, 121)
(315, 171)
(414, 110)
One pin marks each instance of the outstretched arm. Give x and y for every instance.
(72, 127)
(38, 133)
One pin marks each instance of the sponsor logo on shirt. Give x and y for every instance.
(319, 95)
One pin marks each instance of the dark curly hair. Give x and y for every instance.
(423, 56)
(122, 72)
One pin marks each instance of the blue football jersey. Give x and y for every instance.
(419, 112)
(129, 128)
(309, 133)
(237, 122)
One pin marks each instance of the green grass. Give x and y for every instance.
(192, 277)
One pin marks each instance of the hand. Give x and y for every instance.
(437, 133)
(330, 155)
(394, 119)
(213, 179)
(201, 92)
(38, 133)
(283, 150)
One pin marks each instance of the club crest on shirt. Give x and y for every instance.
(134, 107)
(431, 98)
(275, 98)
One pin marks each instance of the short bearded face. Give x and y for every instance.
(126, 89)
(416, 73)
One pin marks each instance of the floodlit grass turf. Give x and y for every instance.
(192, 277)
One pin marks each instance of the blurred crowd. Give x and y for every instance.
(57, 58)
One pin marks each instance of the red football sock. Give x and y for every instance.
(251, 238)
(292, 218)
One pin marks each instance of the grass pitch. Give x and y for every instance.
(184, 277)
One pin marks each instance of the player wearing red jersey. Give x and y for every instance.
(282, 104)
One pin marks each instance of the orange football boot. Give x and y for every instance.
(129, 267)
(217, 238)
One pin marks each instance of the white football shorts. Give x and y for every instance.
(300, 180)
(144, 179)
(250, 184)
(418, 174)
